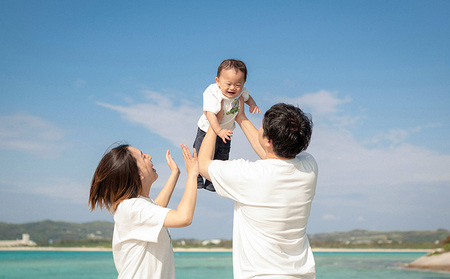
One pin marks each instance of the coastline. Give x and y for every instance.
(75, 249)
(372, 250)
(439, 262)
(98, 249)
(436, 263)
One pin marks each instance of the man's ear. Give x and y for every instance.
(269, 143)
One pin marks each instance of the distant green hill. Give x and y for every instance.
(96, 234)
(57, 233)
(377, 239)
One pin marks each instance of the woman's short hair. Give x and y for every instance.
(116, 179)
(289, 129)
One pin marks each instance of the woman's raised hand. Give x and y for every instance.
(191, 161)
(171, 162)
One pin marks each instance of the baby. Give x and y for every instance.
(220, 106)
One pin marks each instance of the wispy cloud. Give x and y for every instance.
(325, 105)
(54, 187)
(331, 217)
(175, 122)
(350, 161)
(353, 173)
(322, 102)
(343, 159)
(25, 132)
(398, 136)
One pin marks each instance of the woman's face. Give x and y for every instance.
(145, 165)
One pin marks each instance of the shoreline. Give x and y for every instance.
(438, 262)
(423, 263)
(328, 250)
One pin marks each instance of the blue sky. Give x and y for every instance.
(77, 76)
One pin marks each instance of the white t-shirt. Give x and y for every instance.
(212, 98)
(142, 247)
(271, 210)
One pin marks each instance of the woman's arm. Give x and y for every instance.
(183, 215)
(166, 193)
(250, 132)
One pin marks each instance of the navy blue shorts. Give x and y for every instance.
(222, 152)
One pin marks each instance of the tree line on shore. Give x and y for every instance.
(99, 234)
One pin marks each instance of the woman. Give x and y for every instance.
(141, 243)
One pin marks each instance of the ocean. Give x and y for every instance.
(202, 265)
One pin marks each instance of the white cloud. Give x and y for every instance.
(331, 217)
(28, 133)
(357, 176)
(61, 189)
(325, 105)
(322, 102)
(397, 136)
(343, 160)
(176, 123)
(353, 175)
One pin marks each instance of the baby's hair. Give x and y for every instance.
(238, 65)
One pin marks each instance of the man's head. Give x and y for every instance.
(288, 128)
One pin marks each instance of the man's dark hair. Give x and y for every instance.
(289, 129)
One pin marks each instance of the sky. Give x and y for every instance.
(78, 76)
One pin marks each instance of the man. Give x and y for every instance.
(272, 196)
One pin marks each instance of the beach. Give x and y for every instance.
(99, 249)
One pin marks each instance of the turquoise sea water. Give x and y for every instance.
(202, 265)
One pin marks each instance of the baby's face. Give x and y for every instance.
(230, 82)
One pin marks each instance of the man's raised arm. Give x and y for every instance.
(206, 153)
(250, 131)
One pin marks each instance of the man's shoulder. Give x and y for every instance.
(231, 162)
(306, 156)
(307, 159)
(239, 166)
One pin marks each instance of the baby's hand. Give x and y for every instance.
(171, 162)
(254, 109)
(225, 134)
